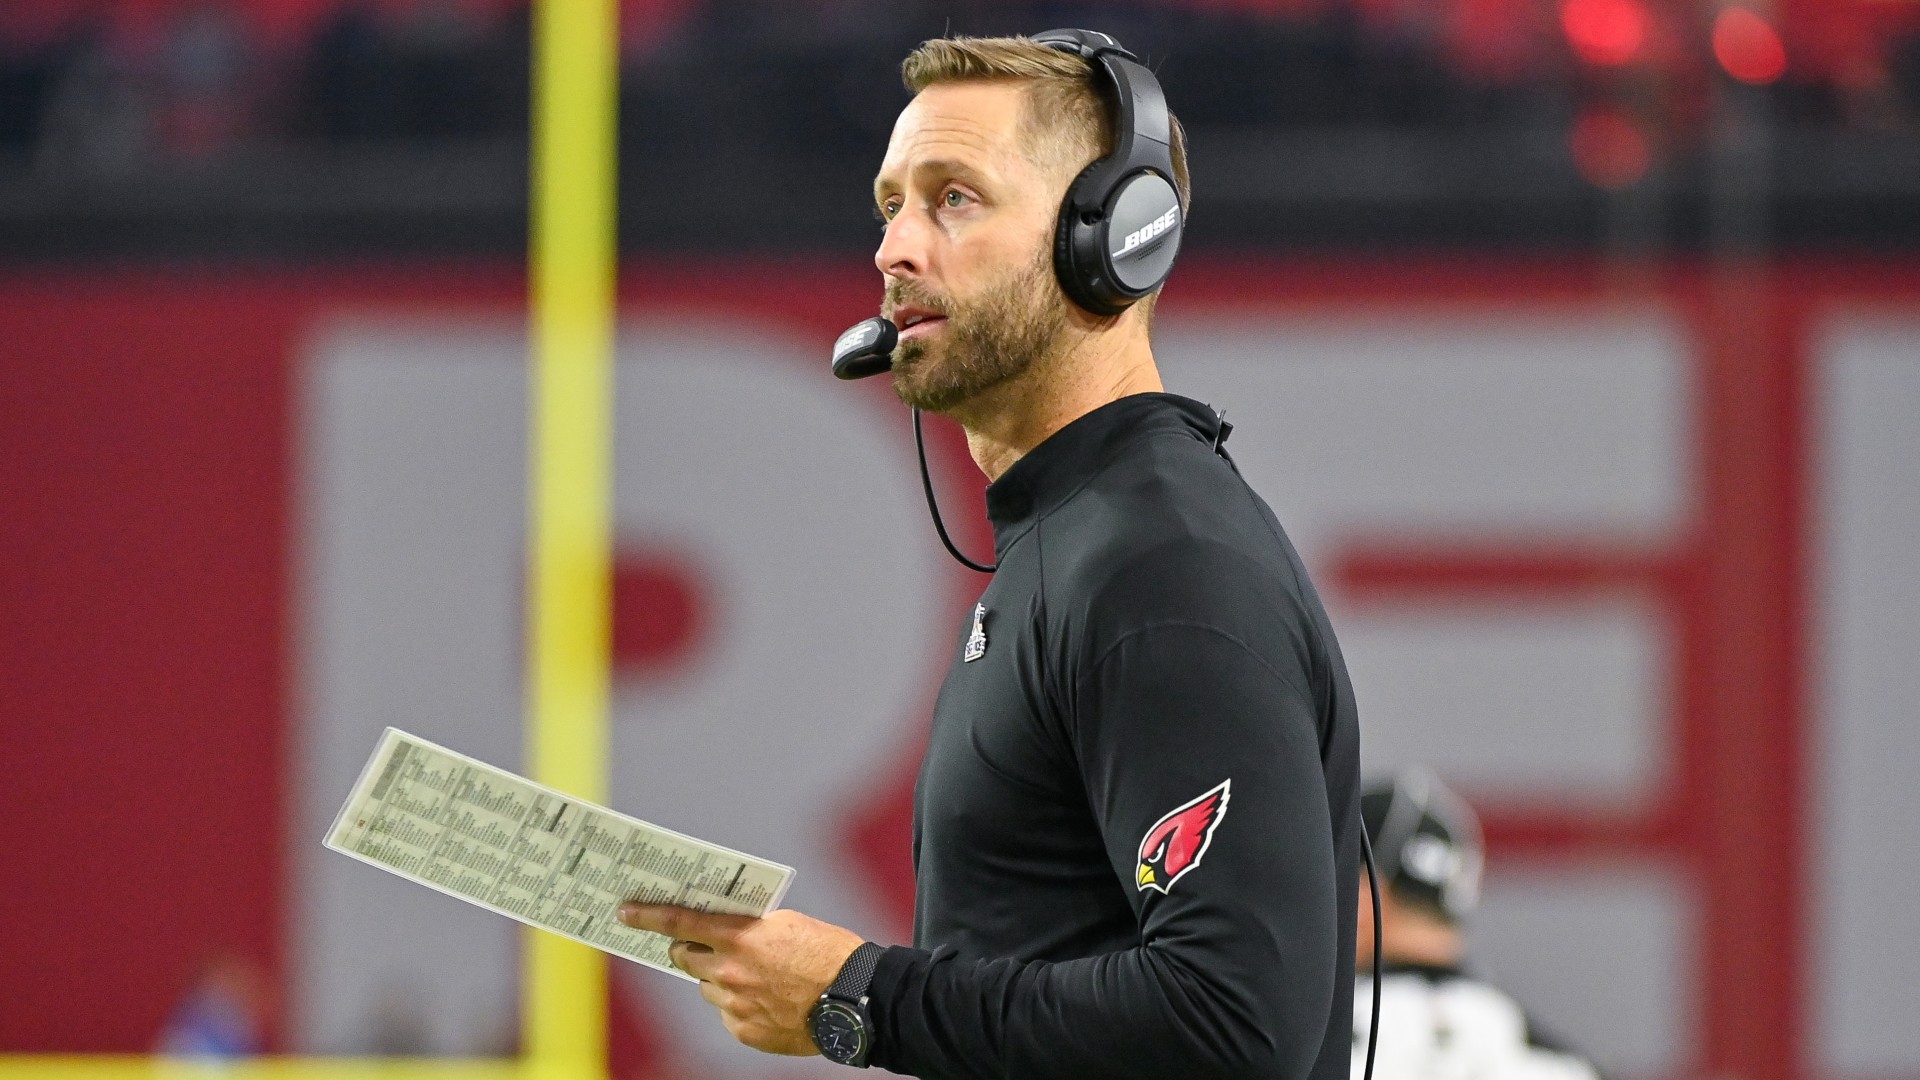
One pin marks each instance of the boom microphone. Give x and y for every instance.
(865, 349)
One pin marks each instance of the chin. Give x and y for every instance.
(926, 395)
(913, 371)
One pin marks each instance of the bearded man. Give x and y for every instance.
(1136, 824)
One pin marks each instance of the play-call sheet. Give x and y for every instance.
(520, 848)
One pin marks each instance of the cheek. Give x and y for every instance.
(991, 247)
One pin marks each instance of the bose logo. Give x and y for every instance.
(1145, 235)
(859, 335)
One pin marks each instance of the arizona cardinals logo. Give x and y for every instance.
(1176, 842)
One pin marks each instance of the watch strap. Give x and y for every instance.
(856, 975)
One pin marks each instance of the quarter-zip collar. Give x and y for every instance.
(1050, 473)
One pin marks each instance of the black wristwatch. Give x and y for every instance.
(838, 1022)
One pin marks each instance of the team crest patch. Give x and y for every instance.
(1177, 842)
(977, 640)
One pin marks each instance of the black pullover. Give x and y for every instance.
(1136, 827)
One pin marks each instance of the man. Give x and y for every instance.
(1436, 1022)
(1137, 816)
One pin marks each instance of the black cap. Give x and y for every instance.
(1426, 841)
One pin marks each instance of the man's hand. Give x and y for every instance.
(764, 975)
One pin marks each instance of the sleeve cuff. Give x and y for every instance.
(898, 969)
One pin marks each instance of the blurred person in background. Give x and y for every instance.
(1436, 1021)
(223, 1014)
(202, 82)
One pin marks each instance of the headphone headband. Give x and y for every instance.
(1140, 108)
(1086, 43)
(1128, 195)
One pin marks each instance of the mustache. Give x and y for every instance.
(901, 294)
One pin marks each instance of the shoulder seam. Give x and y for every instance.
(1252, 497)
(1300, 588)
(1195, 624)
(1040, 590)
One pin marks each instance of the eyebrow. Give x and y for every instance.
(952, 167)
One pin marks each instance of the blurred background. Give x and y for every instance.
(1576, 343)
(301, 128)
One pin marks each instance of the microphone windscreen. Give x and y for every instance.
(865, 349)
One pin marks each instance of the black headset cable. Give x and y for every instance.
(1373, 883)
(926, 481)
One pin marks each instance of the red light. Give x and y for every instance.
(1609, 149)
(1748, 47)
(1605, 32)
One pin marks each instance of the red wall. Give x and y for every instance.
(144, 579)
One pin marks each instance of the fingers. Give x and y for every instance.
(763, 975)
(747, 1021)
(717, 996)
(693, 958)
(684, 924)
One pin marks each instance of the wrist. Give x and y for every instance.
(839, 1023)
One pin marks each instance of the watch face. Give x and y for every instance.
(839, 1031)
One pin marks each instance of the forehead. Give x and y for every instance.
(976, 123)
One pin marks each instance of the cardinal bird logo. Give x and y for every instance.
(1177, 842)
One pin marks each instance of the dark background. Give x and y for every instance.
(298, 129)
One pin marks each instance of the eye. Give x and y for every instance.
(953, 198)
(886, 210)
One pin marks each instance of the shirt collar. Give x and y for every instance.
(1053, 471)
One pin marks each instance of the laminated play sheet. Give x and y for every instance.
(501, 841)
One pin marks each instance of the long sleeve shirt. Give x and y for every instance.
(1136, 823)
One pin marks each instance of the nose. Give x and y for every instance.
(903, 247)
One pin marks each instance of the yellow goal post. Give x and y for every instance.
(575, 84)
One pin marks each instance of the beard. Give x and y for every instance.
(988, 340)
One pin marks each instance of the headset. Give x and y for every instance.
(1118, 232)
(1120, 224)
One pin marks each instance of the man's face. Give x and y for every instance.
(968, 252)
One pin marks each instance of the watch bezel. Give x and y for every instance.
(855, 1018)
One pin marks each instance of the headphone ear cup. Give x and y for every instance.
(1094, 276)
(1072, 239)
(1144, 220)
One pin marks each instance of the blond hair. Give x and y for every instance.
(1065, 121)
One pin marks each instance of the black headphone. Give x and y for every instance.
(1120, 223)
(1118, 231)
